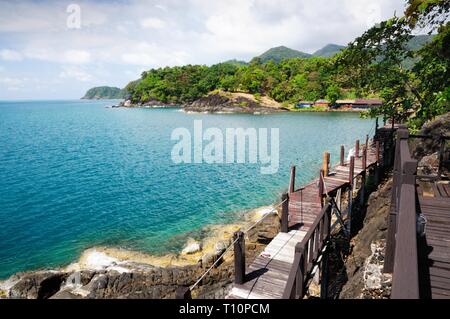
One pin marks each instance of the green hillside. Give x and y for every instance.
(104, 92)
(329, 50)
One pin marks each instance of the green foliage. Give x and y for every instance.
(376, 62)
(281, 75)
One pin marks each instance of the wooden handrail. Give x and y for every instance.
(307, 252)
(401, 250)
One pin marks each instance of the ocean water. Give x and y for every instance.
(75, 174)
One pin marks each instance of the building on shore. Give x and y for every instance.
(358, 103)
(304, 104)
(322, 103)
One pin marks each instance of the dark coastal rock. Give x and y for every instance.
(218, 103)
(38, 285)
(439, 126)
(147, 104)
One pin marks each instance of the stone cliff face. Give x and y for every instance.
(363, 265)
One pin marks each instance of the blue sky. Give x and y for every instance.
(44, 55)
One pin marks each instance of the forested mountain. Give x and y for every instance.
(329, 50)
(104, 92)
(279, 53)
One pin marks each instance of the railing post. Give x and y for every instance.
(367, 141)
(285, 213)
(377, 164)
(351, 171)
(402, 133)
(299, 280)
(239, 258)
(321, 186)
(363, 175)
(183, 293)
(357, 149)
(342, 155)
(292, 180)
(326, 163)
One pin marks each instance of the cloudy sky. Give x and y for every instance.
(46, 52)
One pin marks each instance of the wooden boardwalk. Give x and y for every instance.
(434, 202)
(267, 276)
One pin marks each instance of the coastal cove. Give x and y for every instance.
(78, 174)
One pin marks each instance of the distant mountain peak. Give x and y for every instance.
(329, 50)
(281, 52)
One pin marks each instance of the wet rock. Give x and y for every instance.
(192, 247)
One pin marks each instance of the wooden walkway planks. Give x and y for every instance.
(435, 206)
(267, 276)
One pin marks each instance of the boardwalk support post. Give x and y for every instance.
(239, 258)
(376, 128)
(342, 155)
(183, 293)
(292, 180)
(324, 275)
(357, 149)
(350, 193)
(377, 164)
(285, 213)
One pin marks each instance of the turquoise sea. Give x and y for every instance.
(75, 174)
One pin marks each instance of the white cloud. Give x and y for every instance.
(10, 81)
(151, 55)
(153, 23)
(76, 73)
(111, 39)
(10, 55)
(77, 56)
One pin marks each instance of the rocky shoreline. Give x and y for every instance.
(108, 272)
(217, 102)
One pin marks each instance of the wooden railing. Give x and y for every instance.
(307, 253)
(401, 250)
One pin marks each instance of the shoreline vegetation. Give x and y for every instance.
(280, 76)
(222, 102)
